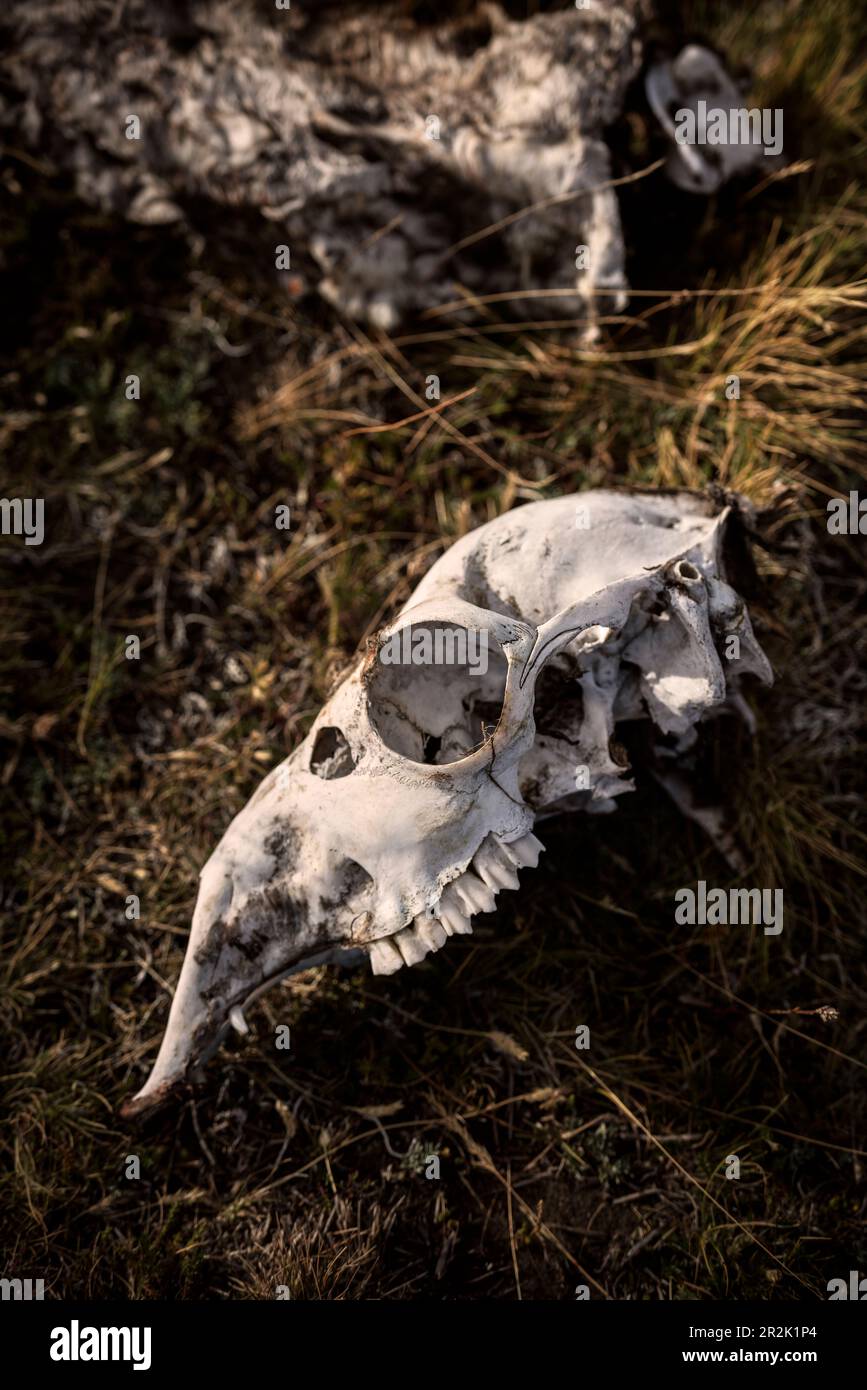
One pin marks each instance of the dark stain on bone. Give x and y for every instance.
(252, 945)
(248, 942)
(476, 588)
(284, 845)
(273, 906)
(266, 913)
(208, 953)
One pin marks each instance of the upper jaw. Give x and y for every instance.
(209, 1002)
(198, 1025)
(494, 867)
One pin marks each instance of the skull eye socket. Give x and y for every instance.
(436, 690)
(331, 756)
(558, 707)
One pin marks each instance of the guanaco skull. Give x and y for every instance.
(489, 702)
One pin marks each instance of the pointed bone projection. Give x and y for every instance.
(411, 803)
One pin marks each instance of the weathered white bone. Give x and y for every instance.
(459, 157)
(697, 75)
(410, 804)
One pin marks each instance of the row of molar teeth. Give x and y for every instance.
(495, 866)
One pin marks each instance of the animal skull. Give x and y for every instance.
(412, 800)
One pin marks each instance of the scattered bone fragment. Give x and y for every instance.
(715, 133)
(380, 150)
